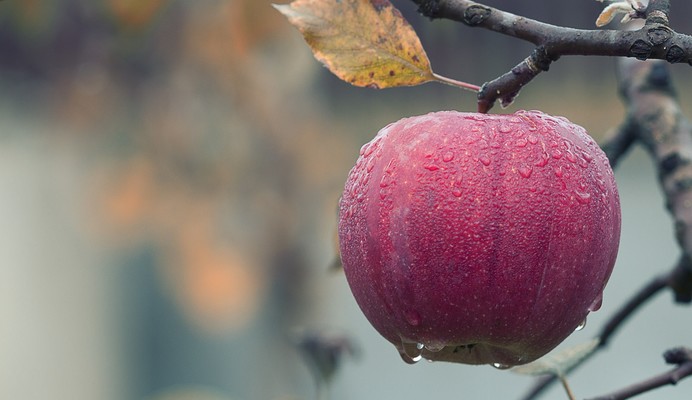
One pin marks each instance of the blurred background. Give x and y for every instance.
(169, 173)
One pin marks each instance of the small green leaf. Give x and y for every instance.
(560, 362)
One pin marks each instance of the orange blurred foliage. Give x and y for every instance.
(218, 289)
(135, 14)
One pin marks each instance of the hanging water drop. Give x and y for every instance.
(408, 359)
(411, 353)
(501, 366)
(597, 303)
(434, 347)
(581, 325)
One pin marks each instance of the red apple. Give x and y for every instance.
(479, 239)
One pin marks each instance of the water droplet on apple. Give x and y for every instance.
(412, 317)
(485, 160)
(370, 165)
(597, 303)
(411, 353)
(581, 325)
(456, 192)
(522, 142)
(408, 359)
(559, 172)
(448, 156)
(582, 197)
(571, 157)
(431, 167)
(557, 154)
(476, 117)
(390, 167)
(368, 148)
(586, 156)
(525, 171)
(543, 161)
(532, 139)
(504, 128)
(434, 347)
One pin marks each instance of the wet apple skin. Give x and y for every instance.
(485, 238)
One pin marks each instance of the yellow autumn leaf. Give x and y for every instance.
(363, 42)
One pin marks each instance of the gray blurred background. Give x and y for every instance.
(169, 172)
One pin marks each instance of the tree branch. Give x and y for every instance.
(654, 111)
(618, 142)
(656, 40)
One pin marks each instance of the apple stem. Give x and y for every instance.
(565, 384)
(456, 83)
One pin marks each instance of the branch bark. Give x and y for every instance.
(656, 40)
